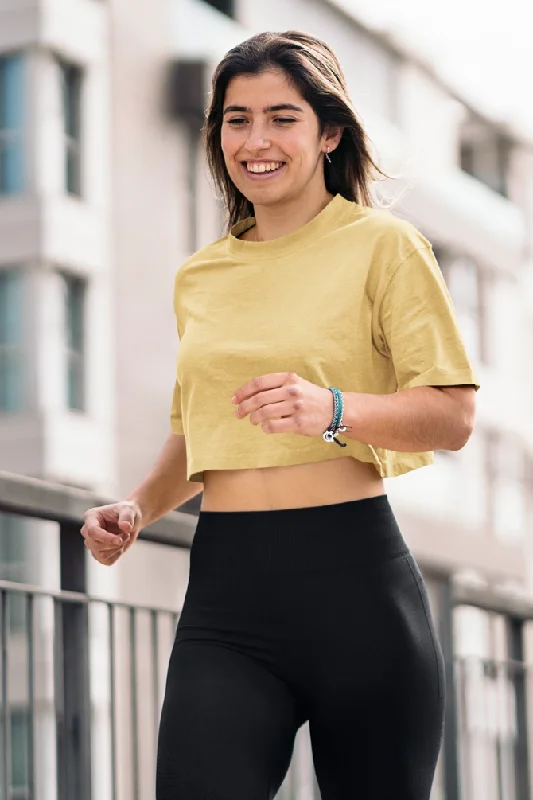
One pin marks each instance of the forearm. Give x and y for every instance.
(409, 421)
(166, 486)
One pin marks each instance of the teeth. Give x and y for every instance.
(264, 167)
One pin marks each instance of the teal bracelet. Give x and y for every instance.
(336, 425)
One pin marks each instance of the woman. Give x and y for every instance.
(319, 354)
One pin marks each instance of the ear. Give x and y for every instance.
(331, 138)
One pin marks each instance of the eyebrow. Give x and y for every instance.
(266, 110)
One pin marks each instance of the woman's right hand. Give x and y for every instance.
(110, 530)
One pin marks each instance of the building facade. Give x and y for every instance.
(104, 192)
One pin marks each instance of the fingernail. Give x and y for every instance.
(233, 398)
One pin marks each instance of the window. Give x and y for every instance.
(484, 154)
(11, 125)
(11, 352)
(507, 465)
(13, 565)
(225, 6)
(380, 67)
(71, 83)
(488, 677)
(465, 282)
(74, 310)
(20, 764)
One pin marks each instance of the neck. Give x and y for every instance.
(280, 219)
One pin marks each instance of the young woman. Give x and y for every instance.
(319, 354)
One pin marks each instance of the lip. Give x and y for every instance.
(262, 176)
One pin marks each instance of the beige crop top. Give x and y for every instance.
(353, 299)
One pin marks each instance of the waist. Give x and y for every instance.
(305, 485)
(341, 536)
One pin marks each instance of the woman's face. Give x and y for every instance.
(270, 139)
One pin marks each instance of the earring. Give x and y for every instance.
(327, 155)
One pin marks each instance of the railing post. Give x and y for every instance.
(516, 654)
(450, 753)
(74, 745)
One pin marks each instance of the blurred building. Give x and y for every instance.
(104, 192)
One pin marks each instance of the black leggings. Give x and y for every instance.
(317, 614)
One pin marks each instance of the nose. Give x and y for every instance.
(257, 140)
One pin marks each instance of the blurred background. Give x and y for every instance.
(103, 193)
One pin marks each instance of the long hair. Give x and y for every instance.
(313, 69)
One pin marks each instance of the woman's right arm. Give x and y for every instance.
(166, 486)
(111, 529)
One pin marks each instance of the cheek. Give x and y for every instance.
(301, 147)
(229, 142)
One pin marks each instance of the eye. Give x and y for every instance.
(237, 121)
(284, 120)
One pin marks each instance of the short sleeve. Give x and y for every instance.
(419, 327)
(176, 422)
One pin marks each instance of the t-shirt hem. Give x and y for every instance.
(240, 461)
(439, 378)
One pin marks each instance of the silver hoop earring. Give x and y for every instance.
(327, 155)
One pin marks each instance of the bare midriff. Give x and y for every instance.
(337, 480)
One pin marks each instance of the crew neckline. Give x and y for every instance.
(301, 237)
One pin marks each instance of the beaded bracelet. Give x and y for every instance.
(336, 424)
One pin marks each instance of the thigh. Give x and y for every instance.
(378, 736)
(227, 727)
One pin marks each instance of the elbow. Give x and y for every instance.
(462, 434)
(460, 442)
(461, 416)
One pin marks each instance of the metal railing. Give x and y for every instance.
(82, 679)
(491, 715)
(82, 685)
(71, 670)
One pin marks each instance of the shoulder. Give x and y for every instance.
(389, 240)
(391, 237)
(205, 255)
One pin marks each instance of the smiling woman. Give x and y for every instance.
(315, 316)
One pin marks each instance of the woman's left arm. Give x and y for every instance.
(412, 420)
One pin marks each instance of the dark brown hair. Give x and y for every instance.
(313, 69)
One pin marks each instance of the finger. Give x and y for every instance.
(100, 551)
(271, 381)
(126, 518)
(285, 425)
(275, 403)
(272, 411)
(98, 534)
(106, 560)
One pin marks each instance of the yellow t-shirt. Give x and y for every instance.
(353, 299)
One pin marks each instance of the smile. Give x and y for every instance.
(263, 168)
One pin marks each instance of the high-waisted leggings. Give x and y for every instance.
(313, 614)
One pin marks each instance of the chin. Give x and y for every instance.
(263, 196)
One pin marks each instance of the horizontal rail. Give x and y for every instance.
(78, 597)
(55, 502)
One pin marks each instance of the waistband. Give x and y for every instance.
(335, 535)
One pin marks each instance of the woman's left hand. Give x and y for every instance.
(282, 402)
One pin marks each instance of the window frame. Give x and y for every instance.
(507, 463)
(476, 133)
(450, 260)
(75, 352)
(72, 125)
(14, 349)
(15, 134)
(228, 9)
